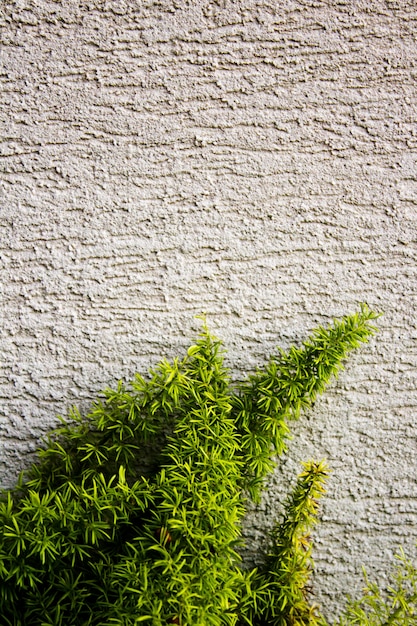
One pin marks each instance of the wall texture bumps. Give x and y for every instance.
(256, 160)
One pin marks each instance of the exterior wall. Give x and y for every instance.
(255, 160)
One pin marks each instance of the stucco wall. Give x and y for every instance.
(252, 159)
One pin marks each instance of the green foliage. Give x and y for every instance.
(290, 561)
(133, 515)
(397, 606)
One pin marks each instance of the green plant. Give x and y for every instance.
(396, 606)
(133, 514)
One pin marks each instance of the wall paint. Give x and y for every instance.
(254, 160)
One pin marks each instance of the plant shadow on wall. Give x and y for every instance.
(133, 514)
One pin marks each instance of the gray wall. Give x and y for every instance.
(255, 160)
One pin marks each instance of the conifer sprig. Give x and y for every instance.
(289, 383)
(290, 561)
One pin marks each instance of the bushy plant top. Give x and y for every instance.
(133, 514)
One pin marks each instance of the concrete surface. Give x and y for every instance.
(252, 159)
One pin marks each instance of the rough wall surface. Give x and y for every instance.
(256, 160)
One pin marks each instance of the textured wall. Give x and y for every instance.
(252, 159)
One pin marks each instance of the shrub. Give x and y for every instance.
(133, 514)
